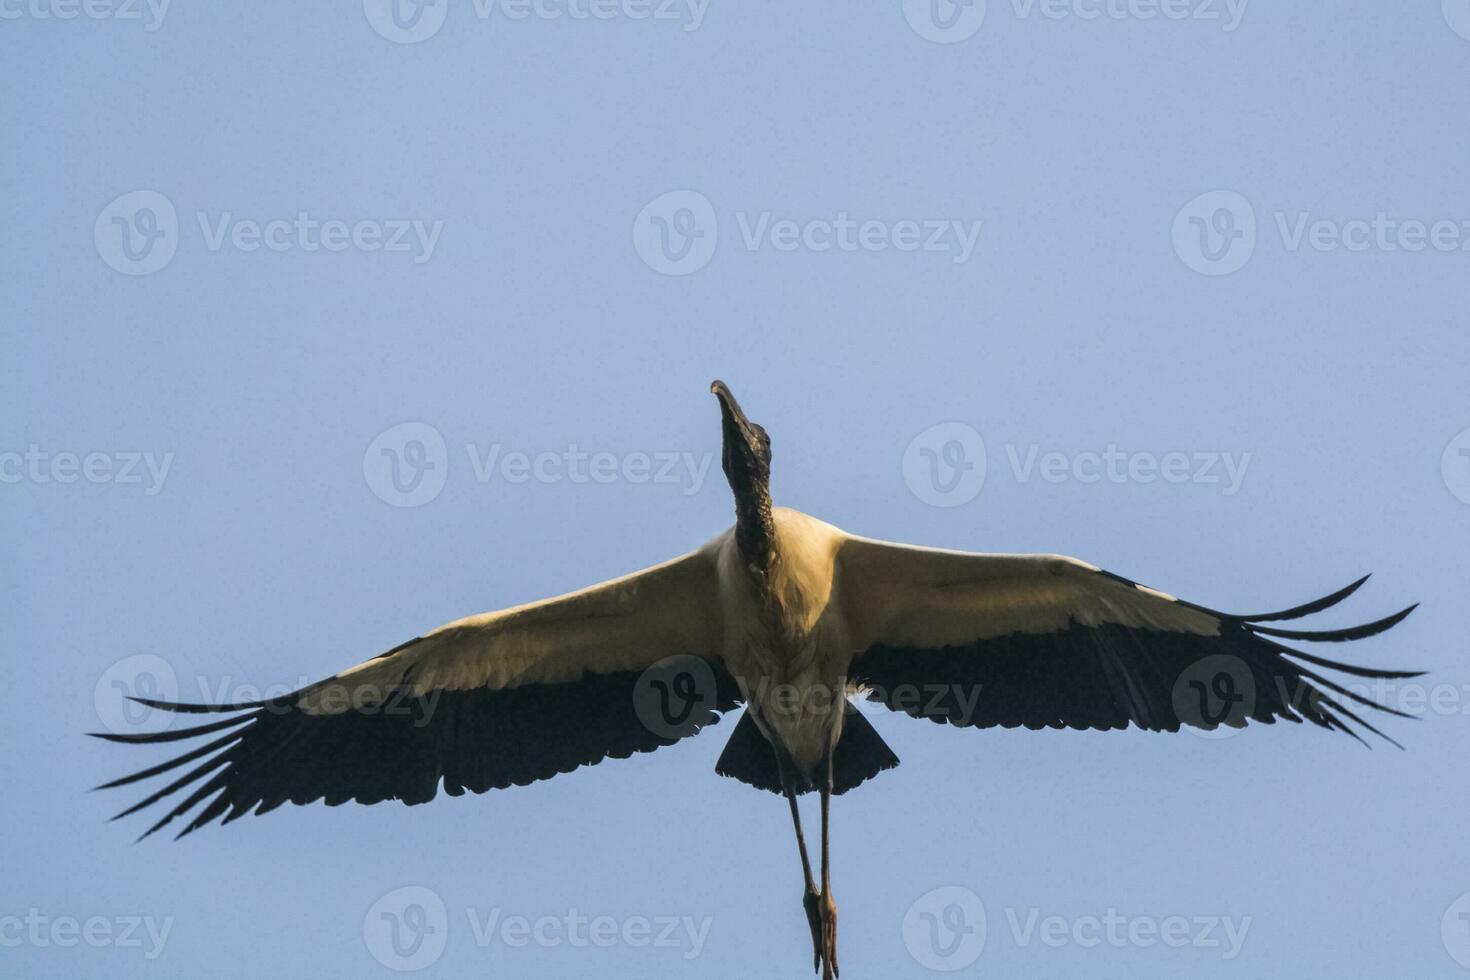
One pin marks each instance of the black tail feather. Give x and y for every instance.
(860, 755)
(749, 757)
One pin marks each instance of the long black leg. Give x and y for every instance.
(809, 898)
(828, 907)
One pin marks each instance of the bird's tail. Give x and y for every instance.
(860, 755)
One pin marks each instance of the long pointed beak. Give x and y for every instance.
(722, 391)
(735, 424)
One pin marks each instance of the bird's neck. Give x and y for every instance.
(755, 528)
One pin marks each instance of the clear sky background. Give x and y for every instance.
(1104, 303)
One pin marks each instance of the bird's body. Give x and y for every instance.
(785, 637)
(784, 614)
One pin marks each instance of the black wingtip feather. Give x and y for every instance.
(1308, 608)
(1354, 717)
(1109, 676)
(1367, 702)
(473, 740)
(1339, 635)
(163, 767)
(1345, 668)
(171, 735)
(198, 709)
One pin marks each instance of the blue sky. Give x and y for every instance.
(1188, 278)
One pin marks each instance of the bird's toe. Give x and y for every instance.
(829, 939)
(812, 902)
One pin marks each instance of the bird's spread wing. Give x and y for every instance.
(497, 699)
(1044, 641)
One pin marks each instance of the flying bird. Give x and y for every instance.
(791, 618)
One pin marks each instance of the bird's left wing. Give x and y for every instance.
(497, 699)
(1045, 641)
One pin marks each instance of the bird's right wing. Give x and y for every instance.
(1045, 641)
(482, 703)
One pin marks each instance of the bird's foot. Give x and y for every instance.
(828, 912)
(812, 902)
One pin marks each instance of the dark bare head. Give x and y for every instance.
(746, 459)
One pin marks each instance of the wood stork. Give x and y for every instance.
(782, 613)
